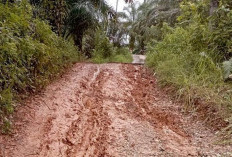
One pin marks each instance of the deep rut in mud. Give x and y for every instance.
(106, 110)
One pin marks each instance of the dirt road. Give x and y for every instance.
(106, 110)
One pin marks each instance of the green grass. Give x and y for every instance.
(105, 52)
(194, 77)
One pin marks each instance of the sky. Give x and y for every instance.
(121, 4)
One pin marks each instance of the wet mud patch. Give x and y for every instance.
(107, 110)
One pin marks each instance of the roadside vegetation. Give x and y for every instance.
(188, 46)
(105, 51)
(30, 55)
(190, 53)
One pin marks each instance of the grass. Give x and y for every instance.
(194, 78)
(105, 52)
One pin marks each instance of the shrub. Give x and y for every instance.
(105, 51)
(122, 55)
(192, 72)
(190, 57)
(30, 54)
(103, 48)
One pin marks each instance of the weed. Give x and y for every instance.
(105, 51)
(196, 77)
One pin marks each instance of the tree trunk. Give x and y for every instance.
(117, 6)
(142, 46)
(132, 42)
(78, 41)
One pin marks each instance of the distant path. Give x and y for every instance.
(139, 59)
(107, 110)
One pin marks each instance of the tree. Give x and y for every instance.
(131, 16)
(117, 6)
(150, 15)
(54, 11)
(128, 1)
(84, 15)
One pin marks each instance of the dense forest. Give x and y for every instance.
(188, 44)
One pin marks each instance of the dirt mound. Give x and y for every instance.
(106, 110)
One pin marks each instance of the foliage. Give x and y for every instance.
(188, 63)
(216, 32)
(122, 55)
(189, 58)
(31, 54)
(71, 18)
(148, 17)
(131, 16)
(117, 30)
(88, 43)
(84, 15)
(52, 11)
(105, 51)
(221, 36)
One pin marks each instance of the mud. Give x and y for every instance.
(106, 110)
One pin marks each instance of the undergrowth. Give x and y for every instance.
(30, 55)
(104, 51)
(194, 76)
(191, 59)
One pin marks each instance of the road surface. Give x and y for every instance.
(107, 110)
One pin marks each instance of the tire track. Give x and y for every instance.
(87, 135)
(108, 110)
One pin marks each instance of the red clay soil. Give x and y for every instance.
(106, 110)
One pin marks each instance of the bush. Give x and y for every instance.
(122, 55)
(192, 72)
(105, 51)
(30, 54)
(191, 58)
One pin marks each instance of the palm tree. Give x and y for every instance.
(117, 6)
(117, 30)
(128, 1)
(153, 13)
(131, 17)
(83, 15)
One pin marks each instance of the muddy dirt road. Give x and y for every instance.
(108, 110)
